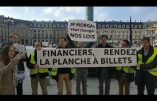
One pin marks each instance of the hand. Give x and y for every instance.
(19, 56)
(36, 66)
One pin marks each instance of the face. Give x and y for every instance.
(146, 44)
(50, 46)
(15, 38)
(62, 43)
(103, 40)
(38, 46)
(124, 44)
(11, 52)
(80, 44)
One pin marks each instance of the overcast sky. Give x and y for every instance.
(66, 13)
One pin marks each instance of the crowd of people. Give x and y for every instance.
(12, 70)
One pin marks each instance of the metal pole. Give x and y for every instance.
(8, 30)
(130, 36)
(152, 36)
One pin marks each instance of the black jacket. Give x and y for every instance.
(107, 72)
(31, 66)
(145, 58)
(144, 67)
(20, 65)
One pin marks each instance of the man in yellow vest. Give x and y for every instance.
(125, 75)
(37, 73)
(146, 73)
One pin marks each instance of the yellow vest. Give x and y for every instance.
(54, 71)
(39, 70)
(151, 59)
(125, 69)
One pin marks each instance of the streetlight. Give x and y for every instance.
(8, 21)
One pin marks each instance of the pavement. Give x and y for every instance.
(92, 87)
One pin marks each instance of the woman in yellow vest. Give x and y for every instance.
(125, 75)
(36, 73)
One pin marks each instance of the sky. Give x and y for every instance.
(59, 13)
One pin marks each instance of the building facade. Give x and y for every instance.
(50, 31)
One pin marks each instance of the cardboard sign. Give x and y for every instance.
(82, 30)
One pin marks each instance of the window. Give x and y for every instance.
(139, 26)
(103, 26)
(34, 25)
(42, 35)
(66, 25)
(127, 26)
(99, 25)
(135, 26)
(62, 25)
(50, 36)
(58, 25)
(115, 26)
(47, 36)
(139, 32)
(111, 36)
(38, 25)
(119, 26)
(135, 31)
(111, 26)
(123, 26)
(39, 36)
(54, 25)
(107, 26)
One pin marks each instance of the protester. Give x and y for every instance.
(146, 74)
(125, 74)
(104, 72)
(64, 74)
(37, 73)
(8, 69)
(15, 41)
(82, 72)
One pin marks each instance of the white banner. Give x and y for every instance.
(86, 57)
(82, 30)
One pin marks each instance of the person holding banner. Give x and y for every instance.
(81, 73)
(146, 74)
(64, 74)
(104, 72)
(125, 75)
(37, 73)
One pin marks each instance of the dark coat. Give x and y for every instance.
(140, 74)
(108, 72)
